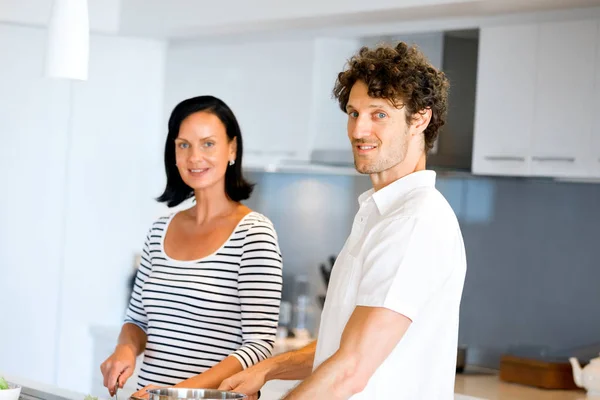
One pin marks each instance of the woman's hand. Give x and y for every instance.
(120, 365)
(143, 392)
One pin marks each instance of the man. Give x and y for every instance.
(389, 327)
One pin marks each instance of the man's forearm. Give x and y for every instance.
(333, 380)
(293, 365)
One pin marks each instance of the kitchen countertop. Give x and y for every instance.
(33, 390)
(274, 390)
(474, 384)
(486, 384)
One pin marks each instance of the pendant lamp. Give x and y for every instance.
(68, 40)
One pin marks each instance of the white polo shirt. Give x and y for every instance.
(405, 253)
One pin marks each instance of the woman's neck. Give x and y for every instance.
(212, 203)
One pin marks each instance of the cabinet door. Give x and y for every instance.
(505, 100)
(594, 157)
(329, 130)
(34, 114)
(267, 85)
(564, 98)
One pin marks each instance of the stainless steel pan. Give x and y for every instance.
(193, 394)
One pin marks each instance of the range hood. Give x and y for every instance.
(324, 162)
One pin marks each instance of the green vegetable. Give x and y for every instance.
(90, 397)
(3, 384)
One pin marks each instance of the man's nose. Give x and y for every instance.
(362, 127)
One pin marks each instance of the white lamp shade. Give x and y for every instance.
(68, 40)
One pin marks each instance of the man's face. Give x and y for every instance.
(377, 131)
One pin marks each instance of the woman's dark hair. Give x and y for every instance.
(176, 191)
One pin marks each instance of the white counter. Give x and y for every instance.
(275, 390)
(46, 389)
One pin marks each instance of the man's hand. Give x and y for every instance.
(143, 392)
(247, 382)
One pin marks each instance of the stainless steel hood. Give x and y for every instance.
(324, 162)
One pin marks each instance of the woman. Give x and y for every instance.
(205, 304)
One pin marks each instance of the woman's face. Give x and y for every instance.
(203, 150)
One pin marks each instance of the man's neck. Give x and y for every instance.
(384, 178)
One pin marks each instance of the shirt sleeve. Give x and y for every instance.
(136, 314)
(259, 287)
(405, 265)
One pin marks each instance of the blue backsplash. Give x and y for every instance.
(532, 248)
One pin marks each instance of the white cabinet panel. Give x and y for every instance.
(33, 132)
(505, 100)
(564, 99)
(267, 85)
(329, 130)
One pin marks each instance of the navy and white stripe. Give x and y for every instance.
(196, 313)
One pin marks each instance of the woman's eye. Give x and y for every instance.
(209, 144)
(381, 115)
(353, 114)
(183, 145)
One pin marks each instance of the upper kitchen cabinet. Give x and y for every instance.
(267, 84)
(504, 109)
(328, 134)
(564, 98)
(536, 100)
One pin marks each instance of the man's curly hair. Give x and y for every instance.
(402, 75)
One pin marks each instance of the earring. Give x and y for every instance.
(231, 162)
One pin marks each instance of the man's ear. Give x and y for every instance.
(421, 121)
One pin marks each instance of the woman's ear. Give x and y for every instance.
(233, 149)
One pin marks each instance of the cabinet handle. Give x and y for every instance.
(555, 159)
(505, 158)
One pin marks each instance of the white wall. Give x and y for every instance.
(34, 116)
(115, 171)
(81, 165)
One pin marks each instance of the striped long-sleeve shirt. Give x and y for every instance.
(196, 313)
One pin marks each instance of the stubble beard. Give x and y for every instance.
(383, 162)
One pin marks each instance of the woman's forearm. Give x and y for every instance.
(133, 337)
(212, 378)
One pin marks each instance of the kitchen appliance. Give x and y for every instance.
(193, 394)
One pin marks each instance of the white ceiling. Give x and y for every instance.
(178, 19)
(186, 19)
